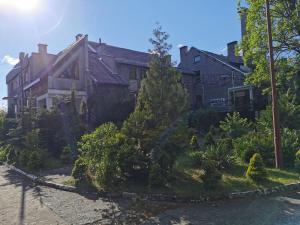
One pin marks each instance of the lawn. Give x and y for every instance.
(187, 182)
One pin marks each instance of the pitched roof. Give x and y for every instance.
(101, 74)
(224, 60)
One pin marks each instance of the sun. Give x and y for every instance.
(24, 5)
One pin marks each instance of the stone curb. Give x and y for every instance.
(39, 181)
(163, 197)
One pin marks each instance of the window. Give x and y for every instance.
(198, 76)
(133, 73)
(197, 59)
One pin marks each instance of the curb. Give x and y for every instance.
(39, 181)
(163, 197)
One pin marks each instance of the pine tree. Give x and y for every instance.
(256, 169)
(162, 93)
(161, 102)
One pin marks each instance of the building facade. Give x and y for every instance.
(107, 79)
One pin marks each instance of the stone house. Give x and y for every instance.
(107, 78)
(218, 80)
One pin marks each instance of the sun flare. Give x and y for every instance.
(24, 5)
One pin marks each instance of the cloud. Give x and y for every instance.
(223, 50)
(7, 59)
(180, 45)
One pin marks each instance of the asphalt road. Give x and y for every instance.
(21, 202)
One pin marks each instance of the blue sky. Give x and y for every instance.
(205, 24)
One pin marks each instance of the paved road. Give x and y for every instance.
(23, 203)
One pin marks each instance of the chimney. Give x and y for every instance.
(243, 16)
(231, 51)
(78, 36)
(183, 52)
(42, 49)
(21, 56)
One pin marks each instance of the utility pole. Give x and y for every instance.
(276, 123)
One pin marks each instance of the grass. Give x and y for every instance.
(187, 181)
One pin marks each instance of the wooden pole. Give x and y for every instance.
(276, 123)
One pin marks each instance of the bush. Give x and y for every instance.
(35, 160)
(100, 150)
(221, 153)
(245, 146)
(194, 143)
(290, 145)
(211, 176)
(156, 178)
(4, 151)
(203, 119)
(297, 161)
(209, 139)
(79, 169)
(235, 126)
(197, 158)
(66, 155)
(256, 170)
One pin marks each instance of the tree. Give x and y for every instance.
(160, 104)
(234, 125)
(256, 170)
(286, 33)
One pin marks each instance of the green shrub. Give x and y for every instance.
(156, 178)
(290, 145)
(197, 158)
(245, 146)
(35, 160)
(209, 139)
(4, 150)
(203, 119)
(66, 154)
(211, 176)
(256, 170)
(79, 169)
(194, 143)
(235, 126)
(297, 161)
(221, 153)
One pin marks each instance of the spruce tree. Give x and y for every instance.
(160, 105)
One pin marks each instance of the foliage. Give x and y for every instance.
(297, 161)
(4, 151)
(221, 153)
(256, 170)
(51, 131)
(290, 145)
(235, 126)
(35, 160)
(286, 32)
(203, 119)
(66, 155)
(209, 139)
(100, 150)
(156, 177)
(79, 169)
(211, 176)
(289, 114)
(194, 143)
(197, 158)
(153, 132)
(245, 146)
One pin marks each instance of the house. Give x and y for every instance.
(218, 80)
(105, 77)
